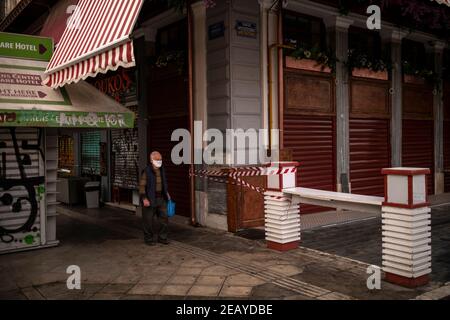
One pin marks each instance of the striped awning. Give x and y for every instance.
(96, 40)
(447, 2)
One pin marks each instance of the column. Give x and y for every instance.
(143, 49)
(438, 104)
(282, 212)
(394, 37)
(200, 101)
(406, 229)
(338, 31)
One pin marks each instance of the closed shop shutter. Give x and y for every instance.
(309, 129)
(21, 188)
(125, 155)
(311, 139)
(90, 153)
(169, 112)
(177, 176)
(418, 147)
(447, 136)
(447, 155)
(369, 153)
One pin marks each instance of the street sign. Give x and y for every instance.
(25, 47)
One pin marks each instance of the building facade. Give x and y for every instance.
(347, 101)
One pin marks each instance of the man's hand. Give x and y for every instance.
(168, 197)
(146, 203)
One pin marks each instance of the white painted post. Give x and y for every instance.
(282, 213)
(406, 218)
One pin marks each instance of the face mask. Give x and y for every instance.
(157, 163)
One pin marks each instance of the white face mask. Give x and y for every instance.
(157, 163)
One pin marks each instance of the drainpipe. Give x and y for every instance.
(279, 46)
(191, 110)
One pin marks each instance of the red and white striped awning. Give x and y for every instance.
(447, 2)
(96, 40)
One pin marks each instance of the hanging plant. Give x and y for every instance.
(421, 72)
(324, 58)
(357, 60)
(167, 58)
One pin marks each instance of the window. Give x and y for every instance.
(304, 30)
(365, 42)
(414, 54)
(90, 153)
(66, 153)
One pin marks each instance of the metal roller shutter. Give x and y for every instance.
(177, 176)
(447, 155)
(311, 138)
(369, 153)
(22, 173)
(418, 147)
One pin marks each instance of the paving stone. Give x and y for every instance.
(210, 280)
(204, 291)
(115, 288)
(12, 295)
(175, 290)
(243, 279)
(106, 296)
(145, 289)
(218, 271)
(285, 270)
(187, 271)
(235, 291)
(32, 294)
(184, 280)
(155, 278)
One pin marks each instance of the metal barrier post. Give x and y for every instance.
(282, 213)
(406, 218)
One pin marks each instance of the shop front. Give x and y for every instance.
(30, 116)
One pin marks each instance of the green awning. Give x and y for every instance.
(26, 102)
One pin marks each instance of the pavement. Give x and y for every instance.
(199, 263)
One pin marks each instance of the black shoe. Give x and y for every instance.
(163, 241)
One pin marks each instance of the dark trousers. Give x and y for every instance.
(156, 211)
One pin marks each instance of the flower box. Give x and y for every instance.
(367, 73)
(408, 78)
(306, 64)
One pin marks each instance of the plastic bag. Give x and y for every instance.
(170, 208)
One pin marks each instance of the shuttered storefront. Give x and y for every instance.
(21, 188)
(369, 135)
(168, 113)
(447, 136)
(309, 129)
(418, 129)
(169, 110)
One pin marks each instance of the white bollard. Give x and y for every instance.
(406, 218)
(282, 213)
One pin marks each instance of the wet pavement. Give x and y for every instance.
(199, 263)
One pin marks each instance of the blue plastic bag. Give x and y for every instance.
(170, 208)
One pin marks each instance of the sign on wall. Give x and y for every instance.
(25, 47)
(246, 29)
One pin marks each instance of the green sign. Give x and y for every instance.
(63, 119)
(25, 47)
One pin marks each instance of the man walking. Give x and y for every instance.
(154, 196)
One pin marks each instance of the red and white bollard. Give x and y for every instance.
(406, 218)
(282, 213)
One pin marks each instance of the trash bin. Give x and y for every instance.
(92, 190)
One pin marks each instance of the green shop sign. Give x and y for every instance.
(25, 47)
(61, 119)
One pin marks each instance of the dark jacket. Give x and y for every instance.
(147, 185)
